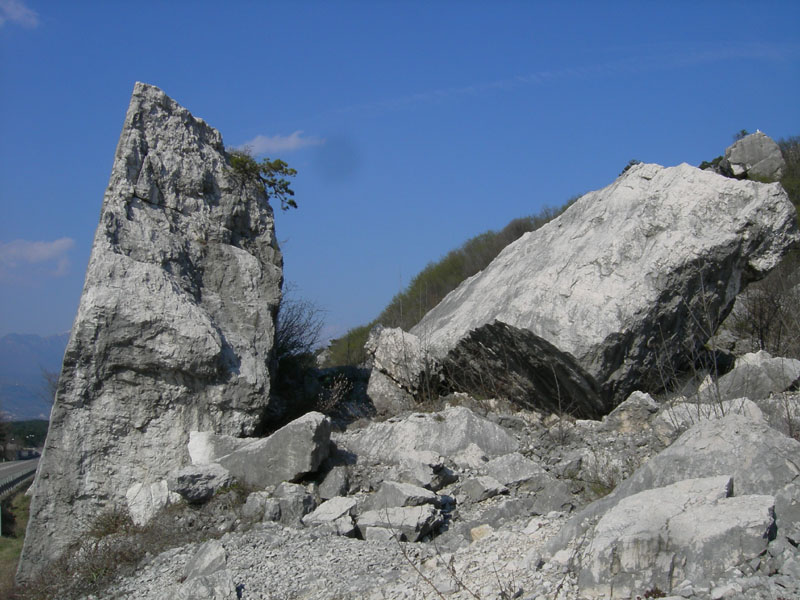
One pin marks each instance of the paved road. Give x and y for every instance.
(17, 467)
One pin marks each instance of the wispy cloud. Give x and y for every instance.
(262, 144)
(639, 63)
(52, 256)
(15, 11)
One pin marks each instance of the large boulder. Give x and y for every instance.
(754, 156)
(630, 278)
(755, 376)
(175, 325)
(692, 529)
(198, 483)
(409, 523)
(288, 454)
(402, 369)
(445, 433)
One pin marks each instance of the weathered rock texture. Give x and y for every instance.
(630, 278)
(446, 433)
(754, 156)
(692, 529)
(294, 450)
(403, 371)
(500, 361)
(175, 325)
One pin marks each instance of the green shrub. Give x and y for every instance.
(271, 174)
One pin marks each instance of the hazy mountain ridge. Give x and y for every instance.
(23, 357)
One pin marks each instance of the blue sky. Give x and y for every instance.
(413, 125)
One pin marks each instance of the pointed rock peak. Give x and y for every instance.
(175, 326)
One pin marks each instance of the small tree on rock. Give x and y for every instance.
(271, 174)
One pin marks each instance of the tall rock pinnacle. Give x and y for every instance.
(175, 325)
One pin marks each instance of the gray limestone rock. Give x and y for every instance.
(787, 511)
(760, 460)
(393, 493)
(629, 278)
(215, 586)
(198, 483)
(335, 483)
(634, 414)
(295, 502)
(426, 469)
(335, 514)
(755, 376)
(478, 489)
(445, 433)
(513, 469)
(402, 369)
(660, 537)
(498, 360)
(145, 500)
(291, 452)
(410, 522)
(254, 507)
(206, 447)
(175, 325)
(755, 156)
(331, 510)
(387, 396)
(210, 557)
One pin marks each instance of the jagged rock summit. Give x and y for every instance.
(175, 325)
(631, 278)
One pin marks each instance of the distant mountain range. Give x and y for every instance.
(23, 360)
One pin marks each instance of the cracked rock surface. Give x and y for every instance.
(175, 324)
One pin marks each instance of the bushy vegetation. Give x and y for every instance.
(31, 433)
(437, 280)
(271, 174)
(790, 148)
(15, 510)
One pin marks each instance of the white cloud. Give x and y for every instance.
(18, 253)
(263, 144)
(15, 11)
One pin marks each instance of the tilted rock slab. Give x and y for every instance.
(631, 277)
(691, 530)
(175, 325)
(294, 450)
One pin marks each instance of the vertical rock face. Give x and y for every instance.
(175, 325)
(630, 278)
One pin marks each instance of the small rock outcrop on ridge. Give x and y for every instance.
(755, 156)
(175, 326)
(631, 277)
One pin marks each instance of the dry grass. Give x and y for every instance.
(114, 547)
(15, 521)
